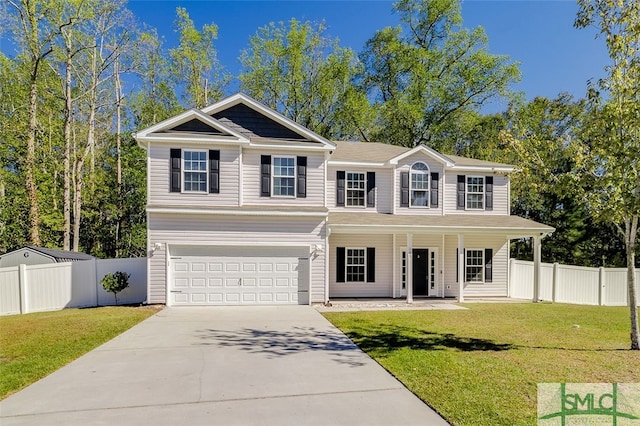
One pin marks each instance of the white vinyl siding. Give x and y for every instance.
(159, 176)
(405, 166)
(500, 194)
(238, 231)
(498, 286)
(251, 179)
(383, 274)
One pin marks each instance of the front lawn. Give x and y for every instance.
(481, 366)
(35, 345)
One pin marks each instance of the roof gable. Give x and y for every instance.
(252, 124)
(190, 125)
(256, 121)
(425, 150)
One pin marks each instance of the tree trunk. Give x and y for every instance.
(32, 190)
(66, 240)
(118, 87)
(631, 229)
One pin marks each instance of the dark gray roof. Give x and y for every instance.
(61, 255)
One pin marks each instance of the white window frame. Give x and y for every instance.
(363, 265)
(426, 172)
(347, 189)
(467, 265)
(481, 193)
(184, 171)
(273, 176)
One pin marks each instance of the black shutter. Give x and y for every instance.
(488, 265)
(371, 264)
(488, 193)
(265, 176)
(457, 265)
(404, 189)
(340, 189)
(214, 171)
(371, 186)
(176, 161)
(434, 189)
(340, 264)
(462, 183)
(302, 177)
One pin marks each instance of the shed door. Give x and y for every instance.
(222, 280)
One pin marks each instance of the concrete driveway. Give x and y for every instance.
(282, 365)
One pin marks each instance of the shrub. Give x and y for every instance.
(115, 283)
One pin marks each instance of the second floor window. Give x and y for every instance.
(475, 192)
(195, 171)
(284, 176)
(356, 185)
(419, 185)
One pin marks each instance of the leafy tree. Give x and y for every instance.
(298, 70)
(609, 164)
(115, 282)
(429, 73)
(195, 61)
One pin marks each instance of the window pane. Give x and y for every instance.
(195, 171)
(475, 192)
(419, 198)
(474, 266)
(356, 185)
(284, 173)
(355, 265)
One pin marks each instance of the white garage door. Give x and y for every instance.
(222, 280)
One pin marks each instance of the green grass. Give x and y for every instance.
(481, 366)
(35, 345)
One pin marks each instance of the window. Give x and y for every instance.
(284, 176)
(404, 269)
(474, 268)
(356, 264)
(419, 185)
(475, 192)
(356, 185)
(195, 171)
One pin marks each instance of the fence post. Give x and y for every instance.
(602, 282)
(554, 282)
(22, 282)
(510, 287)
(96, 280)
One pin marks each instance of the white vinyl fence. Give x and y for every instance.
(56, 286)
(571, 284)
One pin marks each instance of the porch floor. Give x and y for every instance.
(385, 304)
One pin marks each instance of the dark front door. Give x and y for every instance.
(420, 272)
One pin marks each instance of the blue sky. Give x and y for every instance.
(553, 56)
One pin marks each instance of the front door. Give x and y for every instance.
(420, 272)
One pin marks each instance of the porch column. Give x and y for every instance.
(537, 255)
(327, 253)
(394, 271)
(409, 268)
(460, 268)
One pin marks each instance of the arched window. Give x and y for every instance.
(419, 185)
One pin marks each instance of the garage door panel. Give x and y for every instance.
(215, 282)
(234, 280)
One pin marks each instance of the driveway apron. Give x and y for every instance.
(271, 365)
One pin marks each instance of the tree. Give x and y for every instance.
(429, 73)
(195, 61)
(115, 282)
(34, 30)
(608, 155)
(302, 73)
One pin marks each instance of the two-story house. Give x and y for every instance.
(247, 207)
